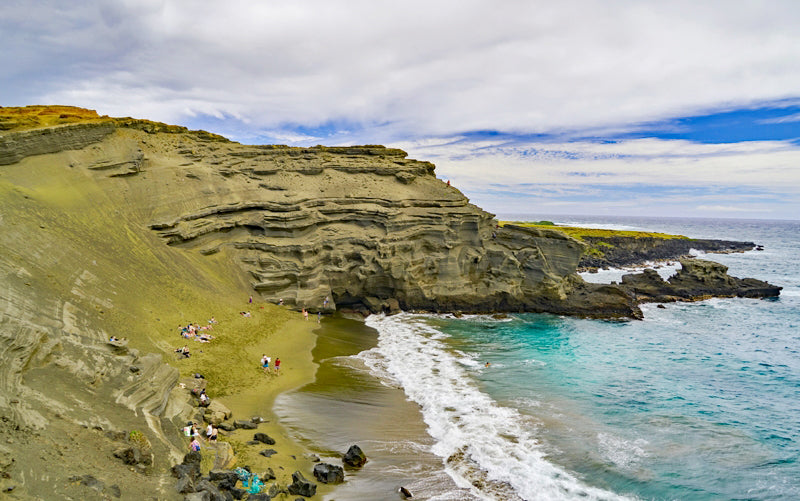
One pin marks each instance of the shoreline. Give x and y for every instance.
(293, 342)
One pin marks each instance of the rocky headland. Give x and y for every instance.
(127, 228)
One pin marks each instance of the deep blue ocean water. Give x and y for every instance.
(697, 401)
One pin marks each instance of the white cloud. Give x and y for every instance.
(421, 67)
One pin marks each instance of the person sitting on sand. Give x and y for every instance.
(204, 400)
(212, 320)
(183, 351)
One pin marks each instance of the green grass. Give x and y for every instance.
(579, 233)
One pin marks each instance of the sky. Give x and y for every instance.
(608, 107)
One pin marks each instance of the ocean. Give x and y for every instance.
(698, 401)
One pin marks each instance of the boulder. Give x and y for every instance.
(301, 487)
(193, 457)
(205, 485)
(226, 426)
(129, 455)
(216, 413)
(354, 456)
(404, 493)
(264, 438)
(268, 475)
(222, 475)
(328, 473)
(268, 452)
(392, 306)
(186, 470)
(244, 425)
(185, 484)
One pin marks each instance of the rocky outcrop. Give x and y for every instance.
(696, 280)
(16, 146)
(621, 251)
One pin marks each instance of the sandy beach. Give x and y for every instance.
(230, 364)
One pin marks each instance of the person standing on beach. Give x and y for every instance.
(305, 313)
(277, 364)
(265, 363)
(250, 300)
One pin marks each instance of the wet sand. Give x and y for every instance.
(347, 405)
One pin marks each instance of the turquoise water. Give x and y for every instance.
(696, 401)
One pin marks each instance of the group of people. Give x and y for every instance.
(197, 332)
(265, 361)
(190, 430)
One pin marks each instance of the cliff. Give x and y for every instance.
(127, 227)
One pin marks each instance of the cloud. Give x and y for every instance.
(782, 120)
(638, 176)
(414, 68)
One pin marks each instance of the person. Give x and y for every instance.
(213, 436)
(325, 302)
(265, 363)
(305, 313)
(250, 301)
(277, 364)
(280, 302)
(319, 316)
(195, 445)
(195, 433)
(209, 431)
(204, 400)
(487, 364)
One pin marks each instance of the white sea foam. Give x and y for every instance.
(625, 454)
(490, 449)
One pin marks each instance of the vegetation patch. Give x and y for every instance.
(580, 233)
